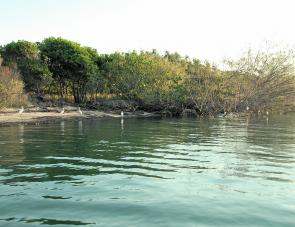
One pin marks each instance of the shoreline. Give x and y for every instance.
(13, 118)
(10, 117)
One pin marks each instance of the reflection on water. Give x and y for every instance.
(80, 127)
(149, 172)
(12, 145)
(62, 127)
(21, 133)
(122, 125)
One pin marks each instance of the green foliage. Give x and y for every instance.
(25, 56)
(65, 69)
(19, 51)
(70, 64)
(145, 77)
(205, 87)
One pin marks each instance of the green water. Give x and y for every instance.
(149, 172)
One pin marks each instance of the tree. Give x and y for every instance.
(204, 87)
(19, 51)
(25, 56)
(36, 75)
(147, 78)
(70, 64)
(266, 79)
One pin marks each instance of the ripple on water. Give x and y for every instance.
(169, 172)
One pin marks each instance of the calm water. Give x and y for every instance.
(149, 172)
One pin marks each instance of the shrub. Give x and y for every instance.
(11, 88)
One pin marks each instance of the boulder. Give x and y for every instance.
(189, 113)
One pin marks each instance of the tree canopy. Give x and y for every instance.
(25, 56)
(70, 64)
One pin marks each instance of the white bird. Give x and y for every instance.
(266, 113)
(122, 114)
(21, 110)
(224, 114)
(247, 108)
(62, 111)
(80, 111)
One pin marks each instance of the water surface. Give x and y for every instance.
(149, 172)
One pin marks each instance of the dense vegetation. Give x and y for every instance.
(63, 70)
(11, 88)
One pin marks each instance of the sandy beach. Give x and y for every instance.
(8, 117)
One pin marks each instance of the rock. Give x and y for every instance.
(189, 113)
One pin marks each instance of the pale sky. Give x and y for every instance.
(204, 29)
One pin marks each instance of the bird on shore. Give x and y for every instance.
(122, 114)
(247, 108)
(222, 114)
(21, 110)
(62, 111)
(80, 111)
(266, 113)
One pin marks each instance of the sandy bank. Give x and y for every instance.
(13, 117)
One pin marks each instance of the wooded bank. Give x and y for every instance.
(57, 70)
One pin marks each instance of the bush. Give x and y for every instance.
(11, 88)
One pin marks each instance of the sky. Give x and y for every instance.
(203, 29)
